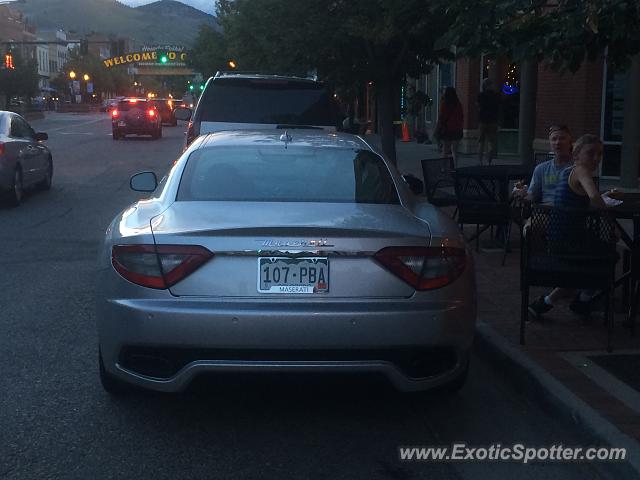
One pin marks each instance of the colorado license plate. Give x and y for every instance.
(293, 275)
(122, 124)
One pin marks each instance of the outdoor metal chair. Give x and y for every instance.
(439, 182)
(484, 201)
(570, 249)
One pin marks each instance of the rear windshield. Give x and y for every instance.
(296, 174)
(267, 101)
(125, 105)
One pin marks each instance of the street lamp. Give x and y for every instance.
(72, 74)
(232, 64)
(86, 77)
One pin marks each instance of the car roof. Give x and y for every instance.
(312, 138)
(262, 76)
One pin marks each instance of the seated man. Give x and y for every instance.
(547, 174)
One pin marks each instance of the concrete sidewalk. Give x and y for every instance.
(560, 364)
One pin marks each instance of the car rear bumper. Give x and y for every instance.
(163, 344)
(136, 129)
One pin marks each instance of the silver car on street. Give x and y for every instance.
(24, 160)
(301, 251)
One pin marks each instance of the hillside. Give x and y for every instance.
(163, 22)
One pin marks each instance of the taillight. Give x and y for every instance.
(158, 266)
(424, 268)
(115, 113)
(192, 132)
(1, 148)
(151, 112)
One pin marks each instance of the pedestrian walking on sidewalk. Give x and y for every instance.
(488, 103)
(450, 123)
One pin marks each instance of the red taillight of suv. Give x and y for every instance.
(115, 113)
(151, 112)
(192, 132)
(158, 266)
(424, 268)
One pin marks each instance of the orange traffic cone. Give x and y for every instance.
(405, 131)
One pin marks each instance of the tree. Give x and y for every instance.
(348, 42)
(103, 79)
(22, 80)
(209, 52)
(563, 32)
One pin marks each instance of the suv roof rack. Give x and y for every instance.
(236, 73)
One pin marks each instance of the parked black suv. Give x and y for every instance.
(233, 100)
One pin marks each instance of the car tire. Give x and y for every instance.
(109, 383)
(174, 123)
(45, 184)
(17, 188)
(160, 132)
(115, 135)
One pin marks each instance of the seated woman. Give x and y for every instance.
(576, 190)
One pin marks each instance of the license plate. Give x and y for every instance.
(122, 124)
(293, 275)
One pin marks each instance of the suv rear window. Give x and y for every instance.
(277, 101)
(295, 174)
(125, 105)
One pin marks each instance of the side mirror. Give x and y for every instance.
(143, 182)
(40, 136)
(182, 113)
(415, 184)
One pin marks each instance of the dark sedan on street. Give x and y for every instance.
(295, 250)
(24, 160)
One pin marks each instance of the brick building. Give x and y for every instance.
(591, 100)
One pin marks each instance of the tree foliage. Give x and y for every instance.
(19, 81)
(347, 42)
(103, 79)
(563, 32)
(209, 52)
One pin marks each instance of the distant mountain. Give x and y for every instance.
(172, 8)
(163, 22)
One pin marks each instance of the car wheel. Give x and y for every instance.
(160, 132)
(45, 184)
(17, 188)
(174, 123)
(109, 383)
(115, 135)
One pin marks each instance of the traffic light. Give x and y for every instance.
(191, 88)
(162, 56)
(8, 61)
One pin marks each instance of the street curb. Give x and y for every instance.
(530, 378)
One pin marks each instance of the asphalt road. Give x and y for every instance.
(56, 422)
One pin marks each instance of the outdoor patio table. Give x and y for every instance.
(484, 198)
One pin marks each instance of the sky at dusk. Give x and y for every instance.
(204, 5)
